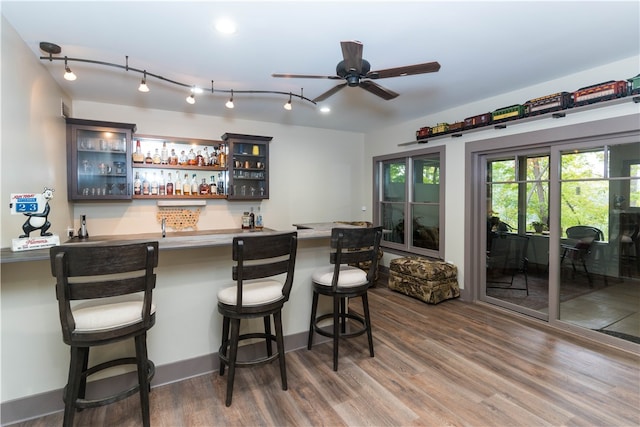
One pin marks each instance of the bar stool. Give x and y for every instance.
(259, 258)
(115, 284)
(341, 281)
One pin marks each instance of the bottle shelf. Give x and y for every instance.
(180, 197)
(178, 167)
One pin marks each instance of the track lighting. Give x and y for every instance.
(143, 84)
(68, 74)
(54, 49)
(288, 105)
(229, 103)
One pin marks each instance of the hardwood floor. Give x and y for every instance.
(451, 364)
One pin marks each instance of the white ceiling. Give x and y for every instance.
(484, 49)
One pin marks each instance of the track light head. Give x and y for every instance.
(229, 103)
(143, 84)
(68, 74)
(191, 99)
(288, 105)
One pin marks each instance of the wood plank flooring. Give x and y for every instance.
(451, 364)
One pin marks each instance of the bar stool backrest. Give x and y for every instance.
(355, 246)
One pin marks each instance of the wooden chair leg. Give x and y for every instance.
(343, 315)
(367, 321)
(267, 332)
(277, 320)
(143, 377)
(312, 323)
(225, 339)
(336, 330)
(82, 391)
(233, 353)
(78, 355)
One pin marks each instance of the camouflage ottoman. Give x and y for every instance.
(427, 280)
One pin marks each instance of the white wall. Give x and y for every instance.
(386, 141)
(33, 145)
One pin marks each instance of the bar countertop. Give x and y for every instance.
(173, 240)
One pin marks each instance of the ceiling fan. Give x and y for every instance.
(353, 69)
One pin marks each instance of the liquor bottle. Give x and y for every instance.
(221, 184)
(222, 157)
(191, 158)
(206, 160)
(164, 154)
(156, 159)
(182, 160)
(148, 159)
(186, 186)
(137, 185)
(162, 185)
(246, 221)
(213, 188)
(169, 186)
(173, 159)
(252, 219)
(145, 185)
(154, 185)
(177, 187)
(204, 187)
(259, 223)
(195, 187)
(137, 156)
(199, 159)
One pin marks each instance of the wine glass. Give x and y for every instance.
(122, 186)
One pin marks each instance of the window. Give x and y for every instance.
(408, 185)
(518, 192)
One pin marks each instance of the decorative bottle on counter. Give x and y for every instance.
(252, 219)
(246, 221)
(169, 186)
(137, 156)
(259, 223)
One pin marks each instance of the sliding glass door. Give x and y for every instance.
(561, 241)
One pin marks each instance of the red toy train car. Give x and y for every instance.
(600, 92)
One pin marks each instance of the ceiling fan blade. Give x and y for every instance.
(329, 92)
(305, 76)
(378, 90)
(352, 53)
(427, 67)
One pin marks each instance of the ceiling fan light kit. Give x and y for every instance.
(356, 72)
(54, 49)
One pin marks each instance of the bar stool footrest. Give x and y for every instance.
(349, 334)
(222, 351)
(81, 403)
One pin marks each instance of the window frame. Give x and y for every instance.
(378, 201)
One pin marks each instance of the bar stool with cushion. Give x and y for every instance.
(264, 276)
(115, 284)
(341, 281)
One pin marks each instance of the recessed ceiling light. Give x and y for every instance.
(325, 110)
(225, 26)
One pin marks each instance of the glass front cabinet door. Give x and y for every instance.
(98, 156)
(248, 164)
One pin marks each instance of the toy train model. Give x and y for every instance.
(555, 102)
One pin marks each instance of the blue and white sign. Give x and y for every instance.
(25, 203)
